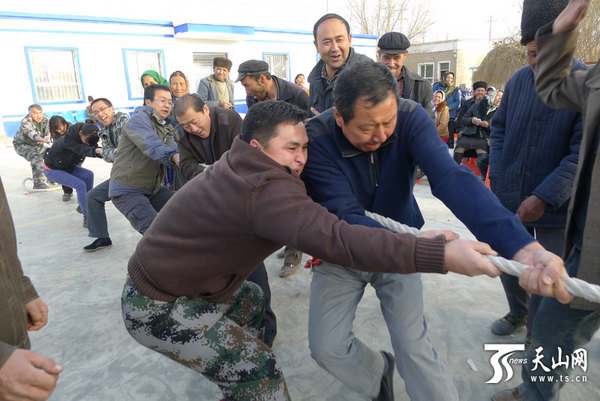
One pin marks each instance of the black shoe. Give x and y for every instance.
(78, 210)
(98, 244)
(508, 324)
(40, 186)
(386, 393)
(67, 197)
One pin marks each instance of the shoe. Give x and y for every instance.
(386, 393)
(281, 254)
(508, 395)
(85, 224)
(67, 197)
(508, 324)
(78, 209)
(288, 269)
(50, 182)
(40, 186)
(98, 244)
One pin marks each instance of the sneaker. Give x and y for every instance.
(67, 197)
(98, 244)
(78, 210)
(85, 224)
(50, 182)
(508, 324)
(508, 395)
(386, 393)
(40, 186)
(288, 269)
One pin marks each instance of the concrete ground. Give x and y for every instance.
(102, 362)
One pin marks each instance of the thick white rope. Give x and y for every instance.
(577, 287)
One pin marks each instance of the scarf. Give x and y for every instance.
(156, 76)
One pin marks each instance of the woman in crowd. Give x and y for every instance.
(452, 98)
(299, 80)
(150, 77)
(61, 162)
(178, 85)
(57, 127)
(441, 113)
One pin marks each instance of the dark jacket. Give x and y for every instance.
(462, 110)
(16, 289)
(534, 150)
(69, 151)
(146, 146)
(225, 125)
(321, 93)
(348, 181)
(418, 89)
(286, 92)
(477, 110)
(250, 206)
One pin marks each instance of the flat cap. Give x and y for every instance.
(393, 43)
(251, 67)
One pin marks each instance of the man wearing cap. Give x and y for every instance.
(533, 161)
(333, 42)
(217, 89)
(392, 51)
(261, 85)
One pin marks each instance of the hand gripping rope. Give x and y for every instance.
(577, 287)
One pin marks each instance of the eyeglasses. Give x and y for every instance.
(164, 101)
(95, 113)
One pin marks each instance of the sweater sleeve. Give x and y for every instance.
(283, 213)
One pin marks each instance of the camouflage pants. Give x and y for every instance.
(34, 157)
(218, 340)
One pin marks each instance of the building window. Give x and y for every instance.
(136, 62)
(55, 75)
(203, 67)
(443, 67)
(426, 71)
(279, 64)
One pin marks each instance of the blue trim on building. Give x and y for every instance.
(226, 29)
(32, 82)
(83, 18)
(154, 35)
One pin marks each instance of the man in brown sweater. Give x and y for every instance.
(187, 296)
(24, 374)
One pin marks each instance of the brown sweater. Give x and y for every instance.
(213, 233)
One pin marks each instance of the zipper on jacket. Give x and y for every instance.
(373, 171)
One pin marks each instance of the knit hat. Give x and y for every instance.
(537, 13)
(222, 62)
(480, 84)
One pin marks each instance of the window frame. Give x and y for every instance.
(289, 62)
(77, 71)
(440, 68)
(432, 64)
(124, 50)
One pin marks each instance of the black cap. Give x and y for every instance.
(537, 13)
(251, 67)
(393, 43)
(480, 84)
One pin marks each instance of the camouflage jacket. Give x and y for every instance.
(29, 129)
(110, 142)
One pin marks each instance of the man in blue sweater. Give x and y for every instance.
(362, 156)
(533, 161)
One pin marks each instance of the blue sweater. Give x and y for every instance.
(534, 150)
(348, 181)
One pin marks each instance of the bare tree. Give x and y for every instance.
(588, 45)
(376, 17)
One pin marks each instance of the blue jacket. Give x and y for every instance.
(534, 150)
(452, 101)
(348, 181)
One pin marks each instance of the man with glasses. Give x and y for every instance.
(146, 147)
(111, 127)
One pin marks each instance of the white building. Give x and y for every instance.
(65, 51)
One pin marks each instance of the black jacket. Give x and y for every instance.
(418, 89)
(225, 125)
(462, 110)
(321, 95)
(68, 151)
(478, 110)
(286, 92)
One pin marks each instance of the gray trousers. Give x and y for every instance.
(141, 209)
(96, 198)
(335, 292)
